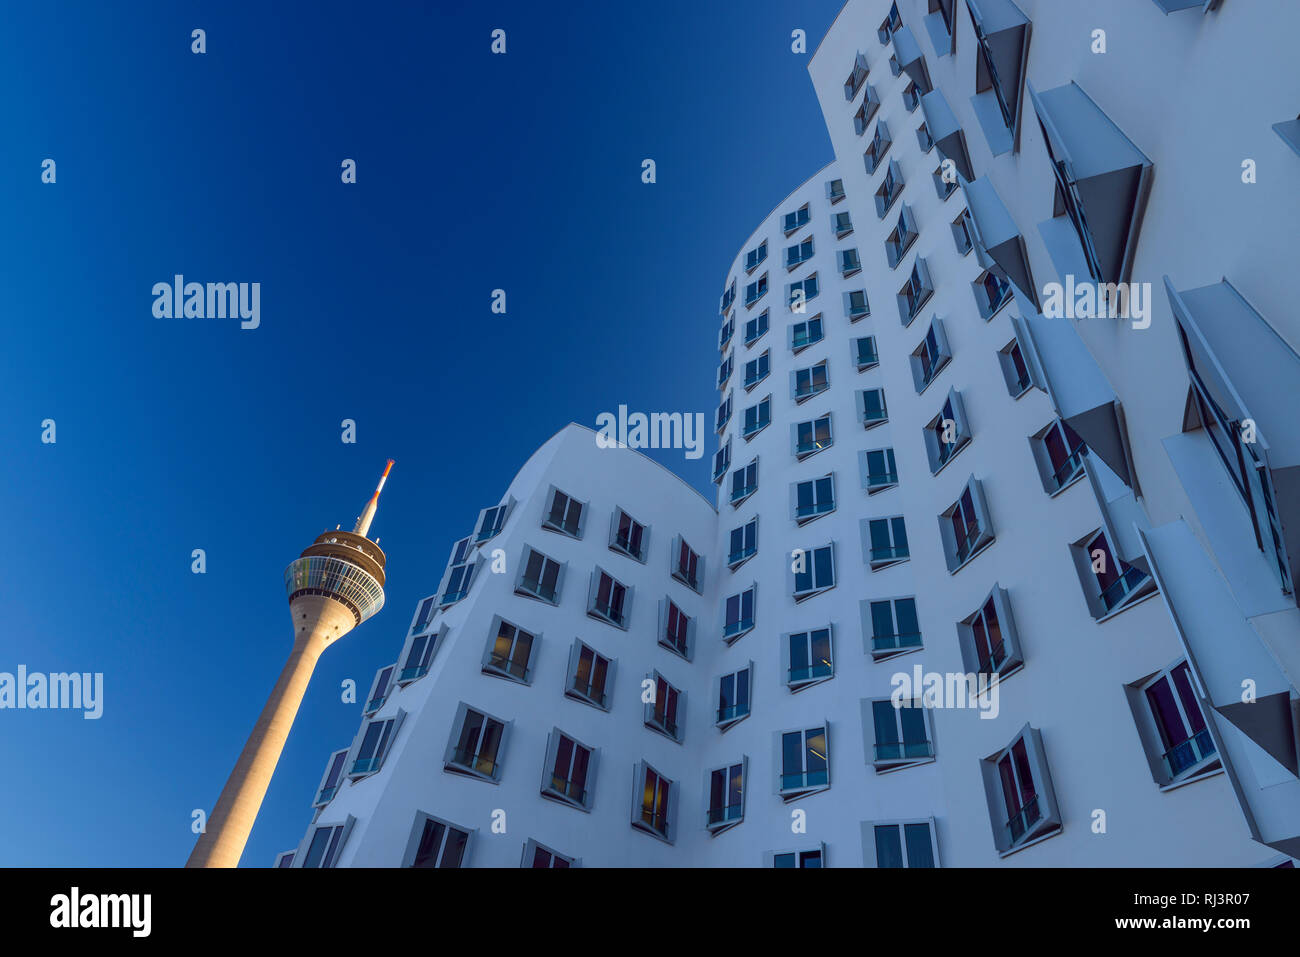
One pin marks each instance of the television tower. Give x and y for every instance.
(335, 585)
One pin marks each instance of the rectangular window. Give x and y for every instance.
(569, 772)
(1022, 803)
(842, 223)
(1014, 369)
(813, 498)
(801, 292)
(424, 615)
(326, 843)
(880, 143)
(509, 652)
(874, 410)
(665, 713)
(809, 654)
(965, 526)
(757, 369)
(806, 333)
(739, 614)
(733, 696)
(1181, 746)
(1115, 580)
(864, 353)
(889, 25)
(799, 253)
(379, 690)
(835, 190)
(755, 290)
(756, 328)
(728, 297)
(902, 844)
(855, 305)
(757, 418)
(721, 461)
(811, 381)
(755, 256)
(814, 571)
(945, 184)
(284, 859)
(881, 472)
(812, 437)
(688, 566)
(590, 675)
(890, 188)
(804, 762)
(744, 483)
(726, 332)
(989, 644)
(886, 542)
(724, 414)
(796, 220)
(725, 368)
(609, 600)
(539, 855)
(931, 356)
(850, 264)
(329, 784)
(894, 627)
(1058, 452)
(439, 844)
(870, 104)
(540, 577)
(797, 859)
(459, 574)
(902, 734)
(900, 240)
(419, 655)
(676, 629)
(911, 96)
(947, 433)
(726, 797)
(375, 743)
(490, 523)
(651, 808)
(744, 544)
(916, 292)
(628, 536)
(961, 233)
(992, 292)
(564, 514)
(477, 746)
(924, 139)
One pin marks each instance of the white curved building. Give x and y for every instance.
(922, 473)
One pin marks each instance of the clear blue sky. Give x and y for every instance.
(474, 172)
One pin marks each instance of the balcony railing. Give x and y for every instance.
(565, 788)
(537, 589)
(412, 672)
(732, 712)
(903, 750)
(821, 669)
(473, 761)
(725, 814)
(878, 479)
(588, 690)
(965, 547)
(816, 508)
(990, 662)
(733, 628)
(508, 666)
(743, 492)
(889, 553)
(1189, 753)
(911, 639)
(1020, 823)
(1069, 468)
(1114, 594)
(799, 780)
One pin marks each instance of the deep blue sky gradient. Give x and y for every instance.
(474, 172)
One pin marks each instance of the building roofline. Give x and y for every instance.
(783, 200)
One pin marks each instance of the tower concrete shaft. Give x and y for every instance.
(335, 584)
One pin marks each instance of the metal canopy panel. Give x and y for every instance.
(1249, 369)
(1224, 649)
(908, 53)
(998, 234)
(1079, 390)
(1111, 175)
(946, 132)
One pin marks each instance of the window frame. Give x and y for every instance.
(497, 761)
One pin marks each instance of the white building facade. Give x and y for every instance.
(924, 473)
